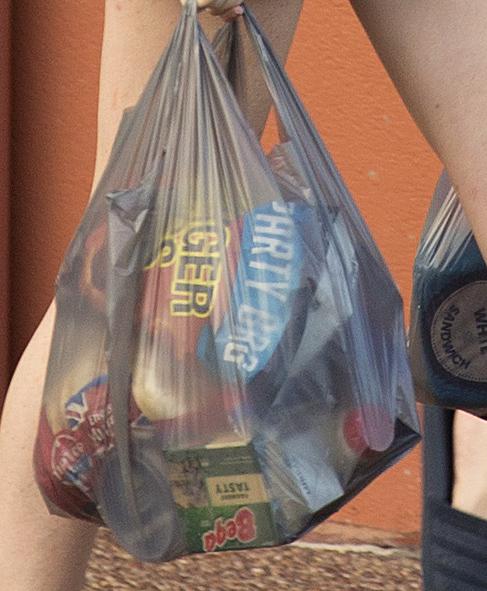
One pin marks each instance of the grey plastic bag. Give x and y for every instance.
(448, 337)
(228, 365)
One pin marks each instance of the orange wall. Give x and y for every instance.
(56, 66)
(4, 187)
(386, 163)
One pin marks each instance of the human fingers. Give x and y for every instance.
(232, 14)
(218, 7)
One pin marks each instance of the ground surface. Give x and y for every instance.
(305, 567)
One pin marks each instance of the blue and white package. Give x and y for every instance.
(268, 275)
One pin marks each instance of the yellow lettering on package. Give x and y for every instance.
(195, 252)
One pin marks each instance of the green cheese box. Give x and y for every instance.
(221, 498)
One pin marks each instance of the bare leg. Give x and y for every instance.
(470, 444)
(39, 552)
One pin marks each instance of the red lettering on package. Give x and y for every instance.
(241, 527)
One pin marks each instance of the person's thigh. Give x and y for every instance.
(37, 551)
(470, 465)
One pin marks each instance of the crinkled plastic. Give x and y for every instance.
(448, 337)
(229, 364)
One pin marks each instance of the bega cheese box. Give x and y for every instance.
(221, 498)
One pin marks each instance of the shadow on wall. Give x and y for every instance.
(4, 191)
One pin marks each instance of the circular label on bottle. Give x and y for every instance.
(459, 333)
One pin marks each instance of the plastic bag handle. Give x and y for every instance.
(294, 122)
(292, 114)
(190, 7)
(321, 173)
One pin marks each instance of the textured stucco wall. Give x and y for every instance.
(56, 55)
(385, 162)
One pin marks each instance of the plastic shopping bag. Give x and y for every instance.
(228, 364)
(449, 312)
